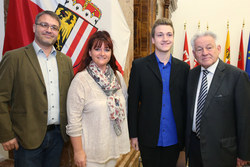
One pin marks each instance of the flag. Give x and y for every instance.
(185, 50)
(248, 58)
(227, 49)
(241, 53)
(80, 19)
(1, 28)
(195, 63)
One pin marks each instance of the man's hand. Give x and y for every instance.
(134, 143)
(241, 162)
(10, 145)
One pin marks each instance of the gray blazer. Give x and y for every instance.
(225, 125)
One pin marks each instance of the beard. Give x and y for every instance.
(44, 41)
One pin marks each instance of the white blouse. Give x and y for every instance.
(88, 117)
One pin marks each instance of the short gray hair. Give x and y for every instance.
(202, 34)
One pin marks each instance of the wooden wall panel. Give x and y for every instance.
(144, 17)
(137, 32)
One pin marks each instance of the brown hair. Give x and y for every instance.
(52, 14)
(161, 21)
(96, 41)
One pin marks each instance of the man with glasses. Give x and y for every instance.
(34, 84)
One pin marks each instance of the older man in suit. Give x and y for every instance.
(34, 84)
(157, 101)
(218, 133)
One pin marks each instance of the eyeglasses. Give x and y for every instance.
(200, 50)
(46, 25)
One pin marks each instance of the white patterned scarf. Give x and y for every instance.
(109, 84)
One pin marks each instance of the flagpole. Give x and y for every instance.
(199, 26)
(227, 47)
(195, 61)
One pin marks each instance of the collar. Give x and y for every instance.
(39, 50)
(169, 61)
(212, 68)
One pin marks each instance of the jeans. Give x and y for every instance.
(48, 154)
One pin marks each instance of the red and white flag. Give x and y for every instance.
(195, 63)
(80, 19)
(185, 50)
(241, 53)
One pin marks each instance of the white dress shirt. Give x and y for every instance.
(210, 76)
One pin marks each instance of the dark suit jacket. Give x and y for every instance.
(23, 89)
(145, 87)
(225, 124)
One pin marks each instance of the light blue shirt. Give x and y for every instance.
(50, 75)
(168, 132)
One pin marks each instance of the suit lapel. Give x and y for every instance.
(193, 84)
(31, 54)
(215, 84)
(60, 68)
(152, 65)
(173, 73)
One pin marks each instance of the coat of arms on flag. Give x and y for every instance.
(73, 34)
(80, 19)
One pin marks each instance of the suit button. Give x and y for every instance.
(45, 112)
(45, 93)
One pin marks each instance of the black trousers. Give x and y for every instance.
(194, 154)
(159, 156)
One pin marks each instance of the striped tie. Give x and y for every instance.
(201, 101)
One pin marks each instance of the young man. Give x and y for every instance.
(34, 84)
(218, 116)
(157, 101)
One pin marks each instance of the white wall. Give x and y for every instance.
(215, 13)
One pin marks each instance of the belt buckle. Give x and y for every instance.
(51, 127)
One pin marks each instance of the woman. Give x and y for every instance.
(96, 107)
